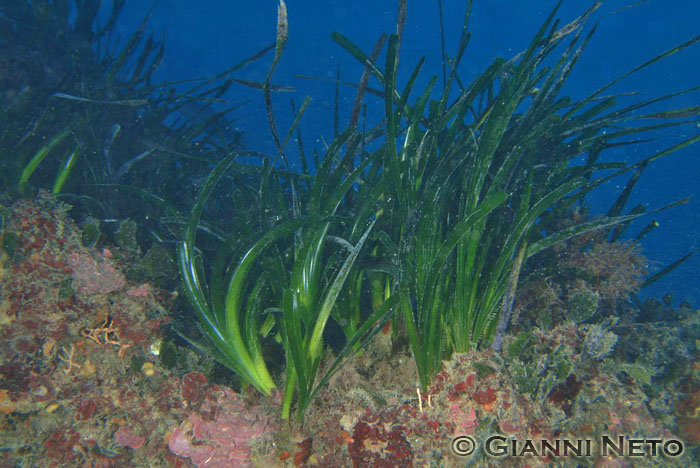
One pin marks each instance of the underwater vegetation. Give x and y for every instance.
(89, 375)
(427, 220)
(81, 115)
(431, 272)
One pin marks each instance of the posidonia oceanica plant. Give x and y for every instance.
(288, 277)
(429, 225)
(468, 178)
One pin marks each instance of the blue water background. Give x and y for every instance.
(206, 37)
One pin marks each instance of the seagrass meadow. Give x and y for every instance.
(457, 270)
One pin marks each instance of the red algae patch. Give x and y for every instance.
(226, 439)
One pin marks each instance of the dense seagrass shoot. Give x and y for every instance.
(291, 285)
(471, 175)
(83, 116)
(426, 220)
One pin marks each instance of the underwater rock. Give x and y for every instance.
(91, 276)
(378, 440)
(64, 356)
(582, 305)
(599, 342)
(225, 432)
(126, 235)
(127, 439)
